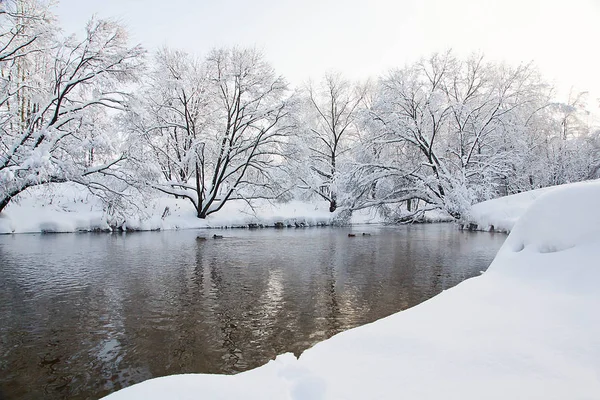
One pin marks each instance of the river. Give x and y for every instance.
(83, 315)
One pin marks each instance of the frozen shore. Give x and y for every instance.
(527, 328)
(501, 214)
(69, 208)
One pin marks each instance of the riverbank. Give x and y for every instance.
(527, 328)
(69, 208)
(501, 214)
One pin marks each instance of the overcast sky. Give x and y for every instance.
(305, 38)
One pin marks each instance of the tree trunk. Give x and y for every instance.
(333, 205)
(4, 201)
(199, 191)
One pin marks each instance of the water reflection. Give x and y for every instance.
(84, 315)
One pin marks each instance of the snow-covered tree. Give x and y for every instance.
(444, 131)
(570, 148)
(329, 133)
(212, 129)
(53, 91)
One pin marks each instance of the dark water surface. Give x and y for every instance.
(83, 315)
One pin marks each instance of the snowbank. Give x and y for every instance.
(70, 208)
(528, 328)
(44, 210)
(501, 214)
(170, 213)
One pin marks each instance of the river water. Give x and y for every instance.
(83, 315)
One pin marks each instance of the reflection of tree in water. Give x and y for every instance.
(233, 294)
(223, 314)
(331, 304)
(327, 308)
(176, 334)
(197, 277)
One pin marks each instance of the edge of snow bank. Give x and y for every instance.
(501, 214)
(71, 209)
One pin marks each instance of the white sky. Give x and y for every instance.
(366, 38)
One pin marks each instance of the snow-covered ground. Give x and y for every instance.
(528, 328)
(70, 208)
(501, 214)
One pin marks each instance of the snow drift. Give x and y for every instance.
(527, 328)
(68, 207)
(501, 214)
(71, 208)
